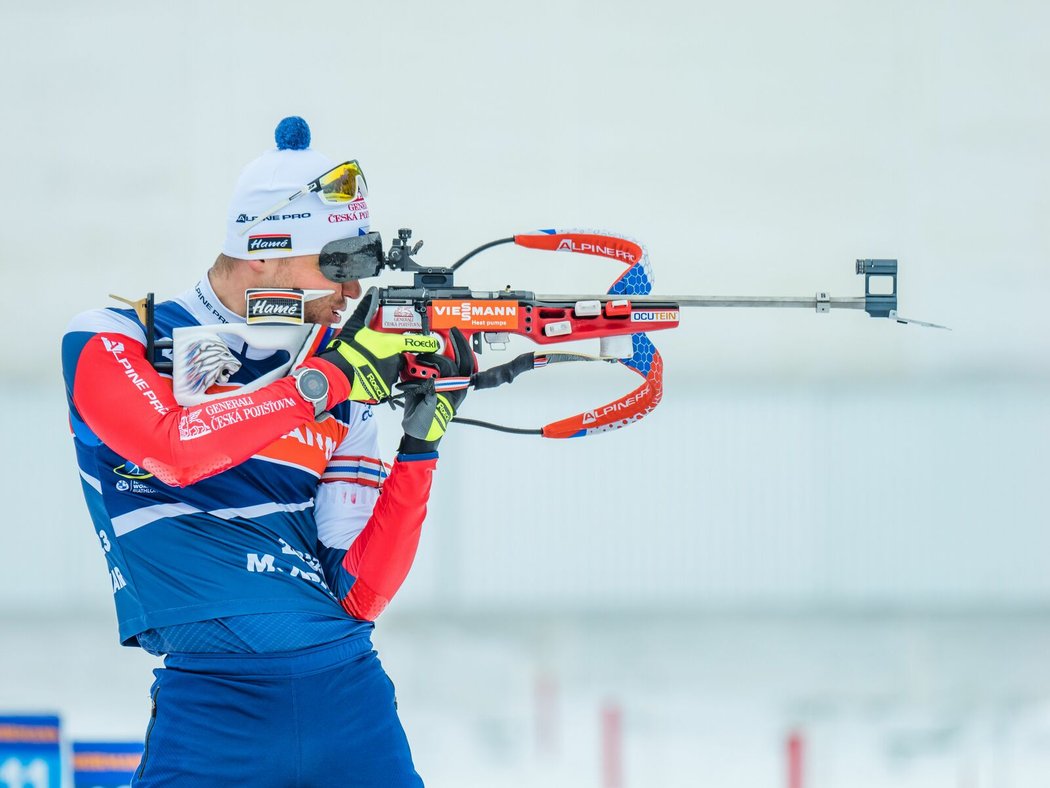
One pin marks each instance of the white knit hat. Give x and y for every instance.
(304, 225)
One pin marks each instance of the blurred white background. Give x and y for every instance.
(833, 525)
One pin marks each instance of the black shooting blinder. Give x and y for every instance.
(357, 257)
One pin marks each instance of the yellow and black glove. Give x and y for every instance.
(372, 360)
(428, 412)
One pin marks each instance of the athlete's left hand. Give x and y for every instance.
(427, 411)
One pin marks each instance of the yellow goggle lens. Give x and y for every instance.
(343, 184)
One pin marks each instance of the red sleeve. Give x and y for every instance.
(132, 409)
(382, 554)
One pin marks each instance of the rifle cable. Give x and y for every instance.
(397, 402)
(498, 427)
(480, 249)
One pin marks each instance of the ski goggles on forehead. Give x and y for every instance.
(342, 184)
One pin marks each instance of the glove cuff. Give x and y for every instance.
(410, 445)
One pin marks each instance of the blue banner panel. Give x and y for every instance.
(30, 753)
(105, 764)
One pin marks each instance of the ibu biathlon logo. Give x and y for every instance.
(130, 470)
(133, 483)
(269, 242)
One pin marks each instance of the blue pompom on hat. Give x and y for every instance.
(292, 133)
(305, 225)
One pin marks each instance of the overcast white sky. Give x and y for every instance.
(757, 148)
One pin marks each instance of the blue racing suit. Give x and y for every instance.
(253, 545)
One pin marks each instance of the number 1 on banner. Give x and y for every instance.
(16, 774)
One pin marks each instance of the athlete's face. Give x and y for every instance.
(304, 273)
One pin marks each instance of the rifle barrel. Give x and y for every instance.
(718, 301)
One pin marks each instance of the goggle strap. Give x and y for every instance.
(267, 214)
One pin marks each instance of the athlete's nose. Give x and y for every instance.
(352, 289)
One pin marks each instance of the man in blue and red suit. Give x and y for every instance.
(253, 538)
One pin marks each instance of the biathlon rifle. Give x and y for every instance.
(620, 319)
(199, 359)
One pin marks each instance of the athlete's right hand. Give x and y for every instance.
(371, 360)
